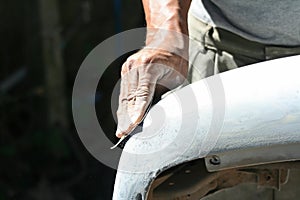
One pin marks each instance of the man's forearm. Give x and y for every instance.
(167, 14)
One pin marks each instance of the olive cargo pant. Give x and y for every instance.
(213, 50)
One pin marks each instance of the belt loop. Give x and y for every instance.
(209, 41)
(266, 52)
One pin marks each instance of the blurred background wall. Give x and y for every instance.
(42, 45)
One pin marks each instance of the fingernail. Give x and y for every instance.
(119, 133)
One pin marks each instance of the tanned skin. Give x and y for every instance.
(158, 63)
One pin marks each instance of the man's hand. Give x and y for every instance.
(160, 66)
(144, 73)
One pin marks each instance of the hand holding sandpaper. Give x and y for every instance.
(145, 74)
(158, 67)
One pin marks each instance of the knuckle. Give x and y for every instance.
(146, 60)
(130, 60)
(124, 69)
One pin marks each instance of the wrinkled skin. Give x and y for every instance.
(159, 66)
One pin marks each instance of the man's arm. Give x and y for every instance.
(167, 14)
(159, 62)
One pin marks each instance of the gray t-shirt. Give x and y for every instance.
(275, 22)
